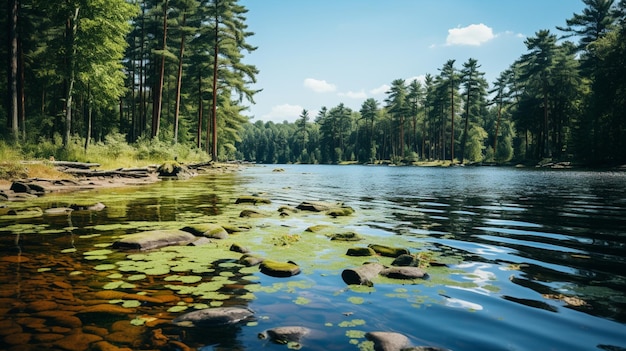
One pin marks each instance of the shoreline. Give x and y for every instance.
(79, 179)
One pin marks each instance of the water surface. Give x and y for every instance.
(535, 259)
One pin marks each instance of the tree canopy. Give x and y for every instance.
(176, 71)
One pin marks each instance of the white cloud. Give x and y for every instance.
(421, 78)
(474, 35)
(319, 86)
(380, 90)
(354, 94)
(284, 112)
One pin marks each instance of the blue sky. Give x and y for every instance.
(314, 53)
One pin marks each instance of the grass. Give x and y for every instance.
(29, 160)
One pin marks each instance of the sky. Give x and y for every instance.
(320, 53)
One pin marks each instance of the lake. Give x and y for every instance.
(517, 259)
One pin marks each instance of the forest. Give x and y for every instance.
(171, 78)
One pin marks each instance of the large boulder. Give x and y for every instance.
(214, 317)
(209, 230)
(389, 251)
(388, 341)
(403, 273)
(279, 269)
(154, 239)
(362, 275)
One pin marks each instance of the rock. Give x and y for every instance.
(200, 242)
(250, 260)
(107, 346)
(238, 248)
(47, 337)
(153, 239)
(93, 207)
(284, 335)
(158, 339)
(406, 260)
(106, 308)
(278, 170)
(389, 251)
(285, 209)
(348, 236)
(15, 259)
(77, 341)
(213, 317)
(403, 273)
(424, 348)
(41, 305)
(362, 275)
(252, 199)
(340, 211)
(57, 211)
(236, 228)
(315, 206)
(209, 230)
(252, 214)
(388, 341)
(279, 269)
(61, 318)
(172, 169)
(317, 228)
(18, 338)
(360, 251)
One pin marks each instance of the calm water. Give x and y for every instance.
(535, 259)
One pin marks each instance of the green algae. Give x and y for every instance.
(70, 250)
(135, 277)
(177, 309)
(302, 301)
(356, 300)
(351, 323)
(105, 267)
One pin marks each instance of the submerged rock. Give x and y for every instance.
(252, 199)
(57, 211)
(284, 335)
(252, 214)
(154, 239)
(83, 207)
(213, 317)
(388, 341)
(279, 269)
(348, 236)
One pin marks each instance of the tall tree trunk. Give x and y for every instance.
(72, 26)
(14, 5)
(89, 120)
(179, 80)
(214, 104)
(20, 88)
(467, 112)
(200, 107)
(452, 120)
(495, 139)
(158, 98)
(142, 100)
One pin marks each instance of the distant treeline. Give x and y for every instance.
(174, 70)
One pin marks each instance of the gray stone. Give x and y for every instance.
(214, 317)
